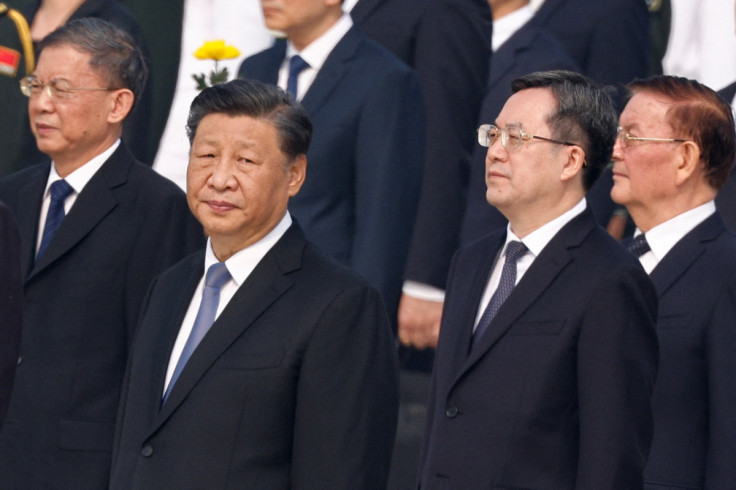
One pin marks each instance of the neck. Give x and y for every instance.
(66, 164)
(503, 9)
(526, 221)
(303, 35)
(647, 218)
(52, 14)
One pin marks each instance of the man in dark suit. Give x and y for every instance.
(527, 50)
(675, 150)
(11, 310)
(549, 388)
(20, 150)
(295, 383)
(447, 42)
(96, 227)
(366, 159)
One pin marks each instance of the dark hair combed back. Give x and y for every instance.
(697, 113)
(113, 52)
(585, 115)
(260, 101)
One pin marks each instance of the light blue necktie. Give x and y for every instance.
(514, 251)
(60, 190)
(296, 65)
(217, 276)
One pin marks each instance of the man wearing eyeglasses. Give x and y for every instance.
(96, 226)
(674, 152)
(547, 351)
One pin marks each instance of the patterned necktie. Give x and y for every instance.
(296, 65)
(639, 245)
(217, 276)
(60, 190)
(514, 251)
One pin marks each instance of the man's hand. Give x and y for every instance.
(419, 322)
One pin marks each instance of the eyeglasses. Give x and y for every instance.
(511, 136)
(626, 139)
(57, 88)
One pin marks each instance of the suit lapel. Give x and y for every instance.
(29, 211)
(268, 281)
(685, 253)
(332, 72)
(555, 256)
(504, 58)
(462, 323)
(94, 202)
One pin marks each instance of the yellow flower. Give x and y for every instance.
(216, 50)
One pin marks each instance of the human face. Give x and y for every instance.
(525, 183)
(302, 21)
(75, 129)
(645, 172)
(238, 184)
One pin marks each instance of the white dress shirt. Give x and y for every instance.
(240, 266)
(315, 55)
(506, 26)
(77, 180)
(239, 23)
(535, 243)
(665, 235)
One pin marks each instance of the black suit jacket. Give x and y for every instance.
(11, 310)
(556, 394)
(447, 42)
(694, 443)
(294, 386)
(530, 49)
(364, 166)
(82, 299)
(609, 39)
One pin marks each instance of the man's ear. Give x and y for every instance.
(121, 103)
(575, 162)
(297, 173)
(688, 161)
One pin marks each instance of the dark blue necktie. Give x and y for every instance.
(217, 276)
(514, 250)
(296, 65)
(60, 190)
(639, 245)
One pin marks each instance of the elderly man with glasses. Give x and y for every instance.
(96, 226)
(547, 352)
(674, 152)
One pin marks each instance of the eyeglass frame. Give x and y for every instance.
(523, 136)
(626, 138)
(27, 88)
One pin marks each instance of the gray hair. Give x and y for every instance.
(113, 52)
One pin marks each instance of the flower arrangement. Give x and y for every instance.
(214, 50)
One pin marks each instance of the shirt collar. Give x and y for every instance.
(81, 176)
(241, 264)
(665, 235)
(539, 238)
(318, 50)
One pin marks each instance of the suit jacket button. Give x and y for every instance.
(147, 451)
(451, 412)
(20, 360)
